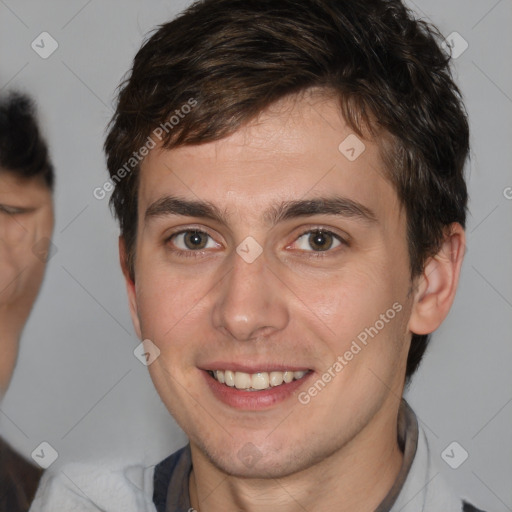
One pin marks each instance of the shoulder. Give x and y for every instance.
(467, 507)
(172, 471)
(426, 486)
(107, 486)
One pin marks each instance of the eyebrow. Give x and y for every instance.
(337, 206)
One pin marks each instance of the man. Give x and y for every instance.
(289, 184)
(26, 224)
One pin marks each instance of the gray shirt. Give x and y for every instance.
(123, 486)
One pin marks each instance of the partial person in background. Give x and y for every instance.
(26, 224)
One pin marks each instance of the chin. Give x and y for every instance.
(249, 461)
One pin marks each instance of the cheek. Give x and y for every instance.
(13, 232)
(167, 303)
(362, 304)
(47, 223)
(347, 299)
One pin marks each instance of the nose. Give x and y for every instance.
(251, 303)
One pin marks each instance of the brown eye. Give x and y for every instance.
(320, 240)
(317, 240)
(195, 239)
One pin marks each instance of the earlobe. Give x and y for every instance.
(130, 286)
(436, 287)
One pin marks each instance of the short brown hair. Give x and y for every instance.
(236, 57)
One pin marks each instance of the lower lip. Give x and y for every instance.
(253, 400)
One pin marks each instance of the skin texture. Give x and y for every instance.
(292, 306)
(26, 224)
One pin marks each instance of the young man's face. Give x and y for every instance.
(325, 278)
(26, 224)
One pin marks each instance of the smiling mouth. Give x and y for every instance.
(256, 381)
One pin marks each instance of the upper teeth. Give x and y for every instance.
(256, 381)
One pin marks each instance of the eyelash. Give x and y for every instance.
(312, 254)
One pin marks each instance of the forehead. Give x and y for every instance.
(298, 148)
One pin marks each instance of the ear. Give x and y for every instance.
(435, 288)
(130, 286)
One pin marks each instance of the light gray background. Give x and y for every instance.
(79, 386)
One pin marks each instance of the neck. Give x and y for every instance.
(356, 477)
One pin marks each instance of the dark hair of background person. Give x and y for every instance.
(23, 151)
(236, 57)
